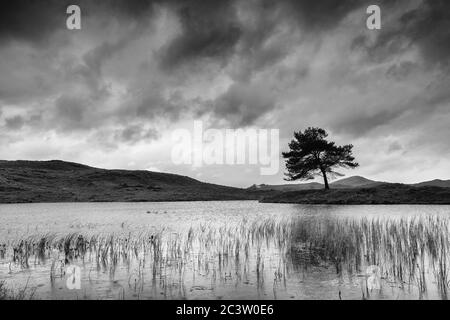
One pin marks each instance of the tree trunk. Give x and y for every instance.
(325, 180)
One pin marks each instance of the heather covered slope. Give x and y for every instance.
(59, 181)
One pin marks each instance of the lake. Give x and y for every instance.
(223, 250)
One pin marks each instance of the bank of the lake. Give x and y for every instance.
(383, 194)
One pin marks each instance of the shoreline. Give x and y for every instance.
(395, 194)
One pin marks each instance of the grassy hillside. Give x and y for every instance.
(382, 194)
(59, 181)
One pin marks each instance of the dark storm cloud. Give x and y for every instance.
(31, 20)
(322, 14)
(361, 124)
(135, 133)
(36, 20)
(429, 27)
(394, 147)
(401, 71)
(243, 103)
(153, 104)
(232, 34)
(14, 123)
(210, 29)
(93, 60)
(426, 26)
(17, 122)
(220, 30)
(428, 102)
(72, 113)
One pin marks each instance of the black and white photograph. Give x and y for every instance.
(225, 150)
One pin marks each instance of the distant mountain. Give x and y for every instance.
(355, 182)
(351, 182)
(346, 183)
(59, 181)
(433, 183)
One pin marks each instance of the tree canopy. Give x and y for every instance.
(312, 155)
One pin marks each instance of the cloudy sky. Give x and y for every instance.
(111, 94)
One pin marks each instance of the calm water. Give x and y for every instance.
(206, 250)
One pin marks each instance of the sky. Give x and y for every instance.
(113, 93)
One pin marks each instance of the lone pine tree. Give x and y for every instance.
(311, 155)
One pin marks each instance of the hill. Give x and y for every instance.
(355, 182)
(434, 183)
(60, 181)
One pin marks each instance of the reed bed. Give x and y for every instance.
(166, 257)
(409, 251)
